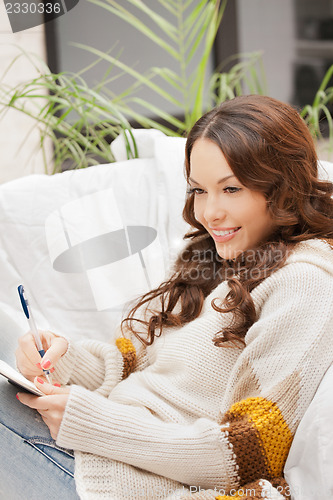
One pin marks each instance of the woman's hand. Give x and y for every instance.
(51, 406)
(28, 359)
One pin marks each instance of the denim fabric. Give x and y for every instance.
(31, 464)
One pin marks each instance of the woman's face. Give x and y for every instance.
(235, 216)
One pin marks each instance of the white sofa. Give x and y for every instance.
(86, 242)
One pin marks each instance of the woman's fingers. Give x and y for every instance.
(51, 406)
(28, 358)
(44, 403)
(57, 349)
(50, 389)
(28, 347)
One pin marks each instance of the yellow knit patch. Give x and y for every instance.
(124, 345)
(128, 353)
(274, 432)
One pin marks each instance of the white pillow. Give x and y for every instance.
(85, 242)
(309, 466)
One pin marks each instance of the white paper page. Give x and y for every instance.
(17, 378)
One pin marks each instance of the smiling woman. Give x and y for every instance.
(236, 217)
(202, 394)
(251, 166)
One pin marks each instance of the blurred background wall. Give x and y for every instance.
(19, 142)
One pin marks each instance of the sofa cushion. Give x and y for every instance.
(86, 242)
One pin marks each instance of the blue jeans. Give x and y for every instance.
(31, 464)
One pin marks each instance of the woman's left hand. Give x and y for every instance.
(51, 406)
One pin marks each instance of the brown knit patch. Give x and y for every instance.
(128, 353)
(282, 486)
(251, 461)
(129, 363)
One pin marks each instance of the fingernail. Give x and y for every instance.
(40, 380)
(52, 370)
(17, 397)
(57, 385)
(46, 364)
(39, 366)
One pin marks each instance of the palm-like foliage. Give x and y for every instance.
(80, 121)
(186, 32)
(314, 113)
(246, 76)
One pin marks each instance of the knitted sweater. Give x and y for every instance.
(185, 419)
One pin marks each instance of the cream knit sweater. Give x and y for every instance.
(193, 420)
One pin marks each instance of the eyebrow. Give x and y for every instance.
(218, 182)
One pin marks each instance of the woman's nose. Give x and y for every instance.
(214, 210)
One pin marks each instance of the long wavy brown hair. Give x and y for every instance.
(270, 150)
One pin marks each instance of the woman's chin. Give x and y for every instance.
(228, 254)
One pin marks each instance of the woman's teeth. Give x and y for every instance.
(224, 233)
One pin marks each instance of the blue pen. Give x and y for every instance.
(32, 325)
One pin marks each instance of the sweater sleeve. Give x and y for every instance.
(288, 350)
(99, 366)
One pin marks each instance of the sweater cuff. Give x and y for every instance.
(94, 366)
(64, 367)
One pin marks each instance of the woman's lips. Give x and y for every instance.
(226, 237)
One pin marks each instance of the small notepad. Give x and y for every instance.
(18, 379)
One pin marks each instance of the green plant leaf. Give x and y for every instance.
(198, 85)
(135, 74)
(193, 22)
(168, 28)
(169, 76)
(169, 5)
(124, 14)
(147, 122)
(161, 114)
(80, 120)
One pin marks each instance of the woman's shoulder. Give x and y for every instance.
(308, 271)
(315, 252)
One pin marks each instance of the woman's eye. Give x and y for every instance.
(231, 189)
(195, 191)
